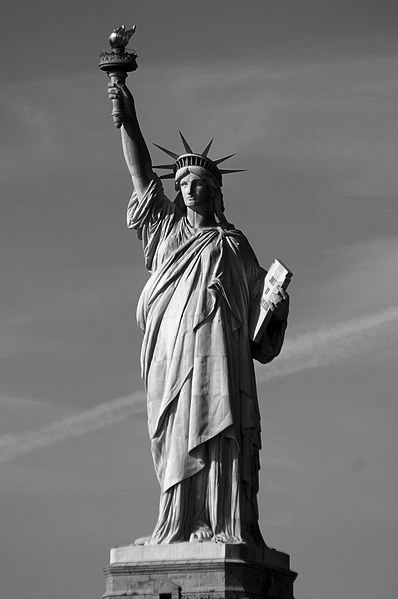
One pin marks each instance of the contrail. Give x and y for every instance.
(311, 350)
(72, 426)
(330, 344)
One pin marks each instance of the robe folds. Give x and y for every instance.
(197, 365)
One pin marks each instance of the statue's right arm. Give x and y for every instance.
(135, 150)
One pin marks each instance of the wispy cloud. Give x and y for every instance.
(331, 344)
(73, 426)
(312, 350)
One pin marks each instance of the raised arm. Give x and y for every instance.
(135, 149)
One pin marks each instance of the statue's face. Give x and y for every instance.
(195, 191)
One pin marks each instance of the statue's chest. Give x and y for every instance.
(206, 245)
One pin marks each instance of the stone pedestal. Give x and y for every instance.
(199, 571)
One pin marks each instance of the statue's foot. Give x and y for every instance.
(142, 541)
(225, 538)
(201, 533)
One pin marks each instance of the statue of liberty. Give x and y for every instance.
(197, 355)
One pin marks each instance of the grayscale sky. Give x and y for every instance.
(306, 94)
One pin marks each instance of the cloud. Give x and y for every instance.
(312, 350)
(331, 344)
(73, 426)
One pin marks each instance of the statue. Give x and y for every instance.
(197, 355)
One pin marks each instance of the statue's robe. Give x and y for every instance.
(197, 365)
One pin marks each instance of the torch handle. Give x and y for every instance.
(117, 105)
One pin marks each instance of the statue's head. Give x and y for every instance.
(211, 184)
(201, 168)
(199, 165)
(196, 186)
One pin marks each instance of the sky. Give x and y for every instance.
(306, 95)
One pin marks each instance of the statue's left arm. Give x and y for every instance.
(271, 342)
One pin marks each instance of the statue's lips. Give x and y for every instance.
(192, 201)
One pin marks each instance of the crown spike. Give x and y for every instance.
(219, 160)
(207, 148)
(186, 144)
(172, 154)
(167, 176)
(164, 166)
(226, 171)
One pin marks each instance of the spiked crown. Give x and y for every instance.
(190, 158)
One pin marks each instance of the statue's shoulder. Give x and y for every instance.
(238, 235)
(243, 245)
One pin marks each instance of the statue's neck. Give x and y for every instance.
(200, 217)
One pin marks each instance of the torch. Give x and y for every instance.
(117, 63)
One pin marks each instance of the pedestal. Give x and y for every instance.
(198, 571)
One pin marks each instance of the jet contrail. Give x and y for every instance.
(310, 350)
(330, 344)
(72, 426)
